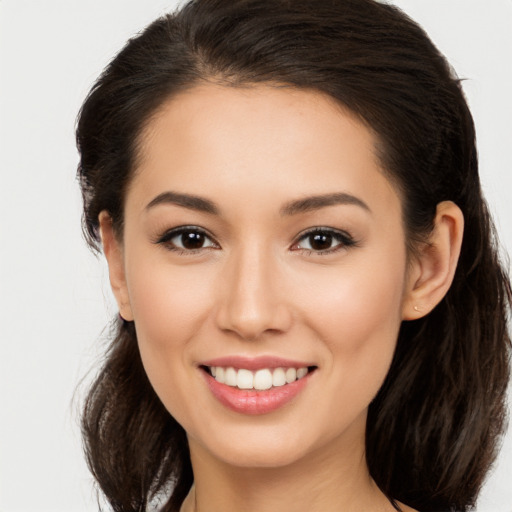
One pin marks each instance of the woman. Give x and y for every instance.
(312, 310)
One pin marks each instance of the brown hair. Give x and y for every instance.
(433, 428)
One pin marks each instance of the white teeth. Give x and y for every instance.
(260, 380)
(301, 372)
(219, 374)
(278, 377)
(291, 375)
(230, 377)
(244, 379)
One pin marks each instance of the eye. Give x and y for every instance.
(324, 241)
(187, 239)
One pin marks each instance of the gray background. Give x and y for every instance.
(54, 295)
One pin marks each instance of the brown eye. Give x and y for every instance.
(187, 239)
(320, 241)
(324, 241)
(192, 240)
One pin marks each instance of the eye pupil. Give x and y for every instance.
(192, 240)
(320, 241)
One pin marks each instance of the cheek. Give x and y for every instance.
(366, 309)
(356, 300)
(168, 302)
(169, 305)
(358, 324)
(357, 313)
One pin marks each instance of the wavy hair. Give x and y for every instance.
(433, 429)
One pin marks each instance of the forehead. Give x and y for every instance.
(220, 114)
(257, 140)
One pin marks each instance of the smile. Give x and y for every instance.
(260, 380)
(256, 385)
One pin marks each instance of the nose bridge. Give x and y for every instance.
(252, 302)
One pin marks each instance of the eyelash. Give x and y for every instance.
(344, 239)
(166, 238)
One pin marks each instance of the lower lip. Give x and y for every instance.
(255, 402)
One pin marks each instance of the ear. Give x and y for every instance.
(433, 267)
(113, 251)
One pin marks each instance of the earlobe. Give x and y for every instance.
(113, 251)
(433, 267)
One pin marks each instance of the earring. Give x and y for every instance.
(416, 308)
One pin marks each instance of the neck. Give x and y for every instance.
(330, 478)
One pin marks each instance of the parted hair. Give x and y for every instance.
(434, 427)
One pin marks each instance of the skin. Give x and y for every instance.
(256, 288)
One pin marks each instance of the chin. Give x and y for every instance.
(261, 446)
(260, 457)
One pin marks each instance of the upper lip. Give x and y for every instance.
(255, 363)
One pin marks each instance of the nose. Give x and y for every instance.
(253, 300)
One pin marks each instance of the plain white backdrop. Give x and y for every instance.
(54, 295)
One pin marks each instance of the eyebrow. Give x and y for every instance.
(294, 207)
(186, 201)
(322, 201)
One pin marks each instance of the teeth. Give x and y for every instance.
(291, 375)
(244, 379)
(259, 380)
(278, 377)
(219, 374)
(301, 372)
(262, 380)
(230, 377)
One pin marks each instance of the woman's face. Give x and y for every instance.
(261, 233)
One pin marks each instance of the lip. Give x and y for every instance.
(254, 402)
(255, 363)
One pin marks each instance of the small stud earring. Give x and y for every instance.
(416, 308)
